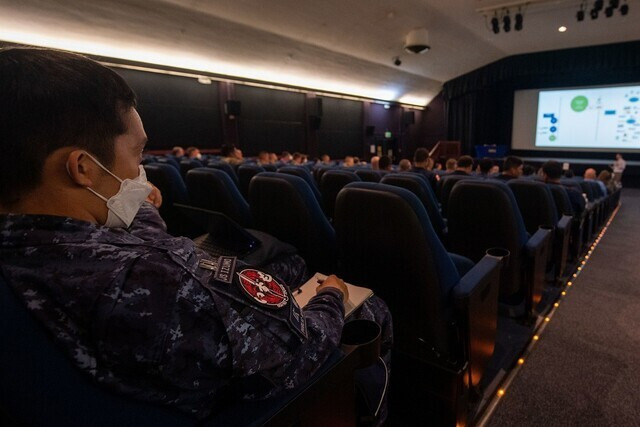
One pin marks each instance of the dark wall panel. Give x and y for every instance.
(340, 132)
(176, 110)
(271, 120)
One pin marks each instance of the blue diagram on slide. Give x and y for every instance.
(589, 118)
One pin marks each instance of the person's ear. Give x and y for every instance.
(81, 168)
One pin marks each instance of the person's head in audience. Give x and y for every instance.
(604, 176)
(356, 160)
(451, 165)
(296, 159)
(273, 158)
(569, 173)
(348, 162)
(385, 163)
(438, 166)
(618, 156)
(512, 166)
(193, 153)
(421, 159)
(285, 157)
(177, 151)
(495, 170)
(552, 171)
(484, 166)
(528, 170)
(231, 154)
(464, 164)
(83, 124)
(325, 159)
(404, 165)
(375, 163)
(263, 158)
(590, 173)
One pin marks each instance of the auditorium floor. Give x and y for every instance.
(585, 368)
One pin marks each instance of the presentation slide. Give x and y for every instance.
(589, 118)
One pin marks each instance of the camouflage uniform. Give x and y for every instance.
(141, 312)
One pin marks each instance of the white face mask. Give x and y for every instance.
(124, 205)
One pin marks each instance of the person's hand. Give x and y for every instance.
(334, 282)
(155, 197)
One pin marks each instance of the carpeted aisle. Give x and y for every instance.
(585, 369)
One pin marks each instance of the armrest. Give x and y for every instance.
(564, 224)
(480, 276)
(538, 242)
(476, 301)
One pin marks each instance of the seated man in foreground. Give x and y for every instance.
(84, 248)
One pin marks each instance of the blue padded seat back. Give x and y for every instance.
(245, 173)
(304, 173)
(41, 387)
(421, 188)
(572, 183)
(226, 167)
(484, 214)
(444, 187)
(169, 160)
(561, 199)
(332, 182)
(369, 175)
(386, 242)
(213, 189)
(283, 205)
(588, 190)
(168, 180)
(187, 164)
(535, 202)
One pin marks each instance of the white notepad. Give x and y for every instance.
(357, 294)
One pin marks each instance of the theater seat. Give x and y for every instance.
(538, 209)
(213, 189)
(168, 180)
(370, 175)
(563, 207)
(188, 164)
(443, 323)
(227, 168)
(422, 189)
(303, 172)
(484, 214)
(332, 182)
(444, 187)
(41, 387)
(284, 206)
(245, 173)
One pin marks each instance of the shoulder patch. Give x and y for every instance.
(263, 288)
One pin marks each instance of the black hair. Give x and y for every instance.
(421, 155)
(465, 162)
(485, 165)
(53, 99)
(552, 169)
(384, 162)
(511, 162)
(528, 170)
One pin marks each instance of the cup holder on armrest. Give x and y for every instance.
(501, 253)
(363, 336)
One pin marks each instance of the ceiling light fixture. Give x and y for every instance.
(506, 22)
(495, 24)
(518, 21)
(562, 28)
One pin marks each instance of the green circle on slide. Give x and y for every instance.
(552, 138)
(579, 103)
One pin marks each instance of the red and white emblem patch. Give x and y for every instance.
(263, 288)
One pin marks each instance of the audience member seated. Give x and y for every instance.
(177, 151)
(528, 171)
(273, 158)
(231, 154)
(193, 153)
(375, 163)
(451, 165)
(297, 159)
(422, 164)
(484, 166)
(551, 173)
(348, 162)
(404, 165)
(325, 159)
(139, 311)
(605, 177)
(285, 157)
(263, 158)
(464, 166)
(590, 175)
(385, 163)
(511, 168)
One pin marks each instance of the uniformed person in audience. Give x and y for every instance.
(144, 313)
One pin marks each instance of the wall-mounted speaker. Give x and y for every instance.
(369, 130)
(232, 108)
(315, 107)
(408, 118)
